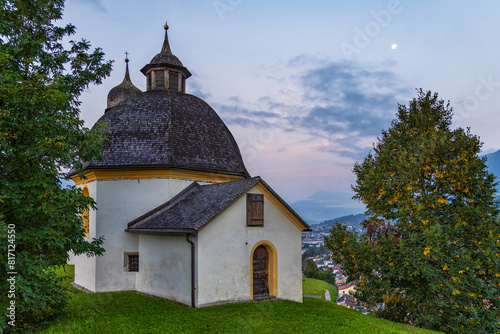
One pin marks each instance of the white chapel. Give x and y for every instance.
(181, 216)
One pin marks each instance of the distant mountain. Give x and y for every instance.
(493, 161)
(493, 164)
(325, 204)
(350, 220)
(329, 204)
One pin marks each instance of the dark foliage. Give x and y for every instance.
(41, 137)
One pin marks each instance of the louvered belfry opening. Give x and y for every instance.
(260, 273)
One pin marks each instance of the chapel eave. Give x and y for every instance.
(144, 172)
(169, 231)
(181, 69)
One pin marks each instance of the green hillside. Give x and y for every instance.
(316, 287)
(129, 312)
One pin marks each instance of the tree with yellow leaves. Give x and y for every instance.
(437, 264)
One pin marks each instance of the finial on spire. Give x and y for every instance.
(166, 46)
(127, 75)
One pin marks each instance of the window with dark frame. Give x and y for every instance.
(132, 262)
(255, 210)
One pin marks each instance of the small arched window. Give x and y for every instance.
(85, 214)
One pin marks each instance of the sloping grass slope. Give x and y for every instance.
(129, 312)
(316, 287)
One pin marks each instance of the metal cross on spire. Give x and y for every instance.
(127, 75)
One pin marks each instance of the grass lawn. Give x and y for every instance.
(315, 287)
(129, 312)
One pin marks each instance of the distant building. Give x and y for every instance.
(181, 216)
(347, 289)
(345, 295)
(347, 301)
(328, 263)
(340, 278)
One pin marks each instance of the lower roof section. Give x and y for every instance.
(197, 205)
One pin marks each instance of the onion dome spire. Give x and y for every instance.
(127, 75)
(165, 71)
(166, 46)
(123, 91)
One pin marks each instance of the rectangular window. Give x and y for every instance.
(255, 210)
(173, 80)
(132, 262)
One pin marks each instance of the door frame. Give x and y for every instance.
(272, 270)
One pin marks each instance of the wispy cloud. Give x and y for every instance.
(345, 103)
(196, 88)
(95, 4)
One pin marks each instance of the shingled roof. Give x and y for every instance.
(123, 91)
(168, 129)
(196, 206)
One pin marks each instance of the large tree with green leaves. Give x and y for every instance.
(42, 74)
(430, 254)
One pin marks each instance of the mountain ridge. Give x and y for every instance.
(354, 220)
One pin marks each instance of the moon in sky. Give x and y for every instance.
(394, 46)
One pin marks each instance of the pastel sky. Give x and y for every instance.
(307, 86)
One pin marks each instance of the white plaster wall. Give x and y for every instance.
(84, 271)
(85, 266)
(165, 267)
(224, 255)
(119, 202)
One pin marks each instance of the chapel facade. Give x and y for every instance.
(181, 216)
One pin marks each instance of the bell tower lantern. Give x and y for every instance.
(165, 71)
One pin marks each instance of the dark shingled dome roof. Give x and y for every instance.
(168, 58)
(168, 129)
(122, 92)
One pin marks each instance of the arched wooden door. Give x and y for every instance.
(260, 273)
